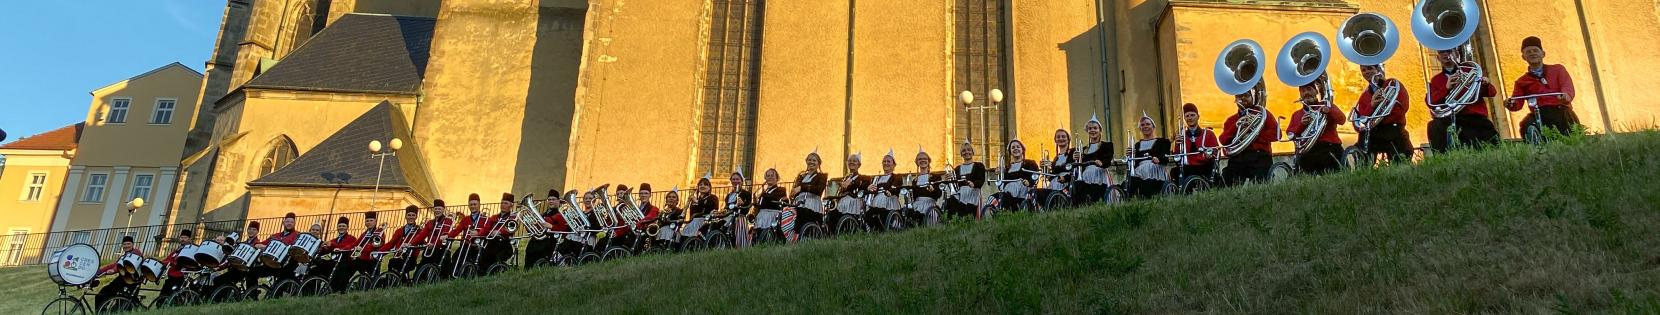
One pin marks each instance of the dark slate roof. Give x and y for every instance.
(65, 138)
(343, 159)
(358, 53)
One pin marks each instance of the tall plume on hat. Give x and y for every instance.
(890, 152)
(1094, 119)
(1148, 118)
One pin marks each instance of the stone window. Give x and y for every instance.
(727, 130)
(979, 47)
(279, 154)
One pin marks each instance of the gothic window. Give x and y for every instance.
(278, 154)
(978, 66)
(727, 130)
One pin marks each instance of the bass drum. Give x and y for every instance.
(73, 265)
(152, 270)
(304, 247)
(187, 257)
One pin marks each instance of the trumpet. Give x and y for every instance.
(1239, 71)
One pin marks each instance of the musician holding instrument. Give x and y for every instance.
(1474, 126)
(470, 227)
(539, 249)
(234, 275)
(175, 272)
(404, 245)
(924, 189)
(1248, 134)
(703, 200)
(1146, 159)
(433, 236)
(1196, 146)
(496, 244)
(367, 261)
(773, 201)
(1324, 154)
(1096, 157)
(1061, 167)
(115, 287)
(809, 189)
(852, 190)
(286, 236)
(884, 193)
(650, 211)
(968, 177)
(341, 246)
(1387, 134)
(739, 202)
(1549, 89)
(1018, 178)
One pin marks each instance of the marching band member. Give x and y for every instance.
(809, 188)
(1388, 135)
(402, 239)
(539, 249)
(1198, 146)
(970, 177)
(923, 189)
(1253, 162)
(117, 286)
(1325, 154)
(286, 236)
(852, 190)
(175, 272)
(1147, 158)
(1061, 166)
(1018, 178)
(1556, 112)
(703, 201)
(341, 246)
(367, 262)
(649, 212)
(471, 226)
(1093, 180)
(497, 245)
(884, 190)
(232, 275)
(1474, 126)
(433, 235)
(773, 200)
(738, 203)
(673, 217)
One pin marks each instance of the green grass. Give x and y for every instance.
(1570, 228)
(25, 290)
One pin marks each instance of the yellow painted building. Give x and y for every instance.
(34, 171)
(527, 95)
(129, 149)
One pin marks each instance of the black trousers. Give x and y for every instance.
(340, 274)
(1086, 193)
(957, 209)
(1320, 158)
(1007, 202)
(494, 251)
(436, 256)
(1557, 118)
(1145, 188)
(401, 265)
(1392, 140)
(170, 285)
(1202, 170)
(804, 215)
(874, 217)
(1250, 165)
(114, 288)
(539, 249)
(1473, 131)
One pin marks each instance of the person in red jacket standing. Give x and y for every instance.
(1195, 146)
(1475, 128)
(1386, 134)
(1549, 85)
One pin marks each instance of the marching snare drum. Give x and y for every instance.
(73, 265)
(210, 254)
(187, 257)
(129, 263)
(304, 247)
(151, 269)
(275, 254)
(243, 257)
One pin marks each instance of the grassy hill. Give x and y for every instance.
(1572, 227)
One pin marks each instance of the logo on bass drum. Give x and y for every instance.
(73, 263)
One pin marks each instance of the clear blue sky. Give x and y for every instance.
(54, 53)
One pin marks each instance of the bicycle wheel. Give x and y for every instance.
(718, 240)
(812, 230)
(64, 306)
(615, 252)
(1280, 172)
(283, 288)
(388, 280)
(1195, 183)
(360, 283)
(315, 286)
(1533, 134)
(849, 224)
(119, 304)
(588, 258)
(426, 274)
(224, 294)
(495, 269)
(182, 297)
(693, 244)
(1057, 201)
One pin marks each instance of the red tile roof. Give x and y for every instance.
(60, 139)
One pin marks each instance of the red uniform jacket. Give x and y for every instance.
(1334, 117)
(475, 223)
(1397, 115)
(497, 222)
(1551, 79)
(1194, 141)
(173, 270)
(111, 267)
(343, 243)
(431, 229)
(557, 220)
(286, 237)
(651, 214)
(367, 248)
(1438, 94)
(1265, 139)
(407, 234)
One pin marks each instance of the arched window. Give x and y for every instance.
(278, 154)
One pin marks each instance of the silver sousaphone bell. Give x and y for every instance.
(1368, 39)
(1239, 67)
(1302, 62)
(1444, 25)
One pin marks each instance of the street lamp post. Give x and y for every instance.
(996, 98)
(375, 152)
(132, 206)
